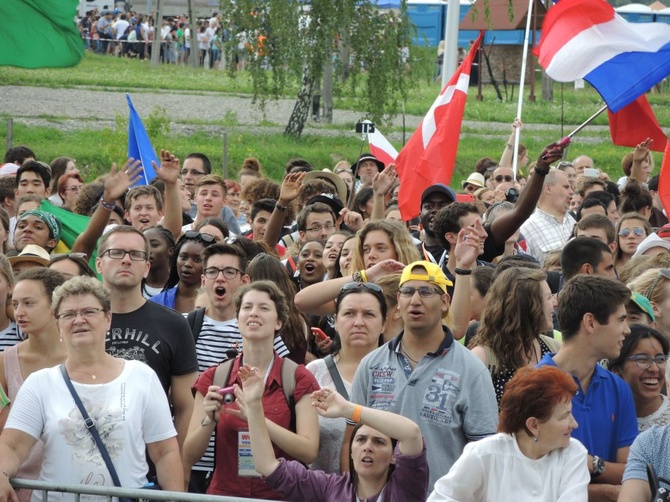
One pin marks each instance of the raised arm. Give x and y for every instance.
(381, 184)
(115, 185)
(330, 404)
(640, 154)
(290, 188)
(507, 157)
(168, 172)
(319, 299)
(303, 445)
(504, 226)
(466, 252)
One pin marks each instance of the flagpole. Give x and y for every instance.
(522, 81)
(588, 121)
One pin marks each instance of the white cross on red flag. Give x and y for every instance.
(429, 156)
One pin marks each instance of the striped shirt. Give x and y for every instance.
(216, 338)
(10, 336)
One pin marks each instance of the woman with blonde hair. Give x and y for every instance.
(383, 239)
(654, 284)
(519, 307)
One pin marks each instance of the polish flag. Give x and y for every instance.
(381, 148)
(429, 156)
(588, 39)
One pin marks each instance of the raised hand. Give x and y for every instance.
(168, 171)
(328, 403)
(118, 182)
(642, 150)
(383, 181)
(383, 268)
(468, 246)
(252, 383)
(291, 187)
(352, 219)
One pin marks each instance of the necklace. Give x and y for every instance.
(402, 349)
(85, 373)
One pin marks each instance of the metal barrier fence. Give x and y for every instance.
(112, 491)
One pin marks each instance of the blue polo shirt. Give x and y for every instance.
(605, 414)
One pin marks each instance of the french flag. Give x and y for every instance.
(588, 39)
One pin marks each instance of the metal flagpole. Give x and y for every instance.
(517, 131)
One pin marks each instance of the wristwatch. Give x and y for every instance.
(598, 466)
(357, 276)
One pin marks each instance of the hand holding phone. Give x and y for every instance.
(319, 334)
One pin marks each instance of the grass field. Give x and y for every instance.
(97, 149)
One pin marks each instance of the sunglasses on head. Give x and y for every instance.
(352, 286)
(637, 231)
(205, 238)
(500, 178)
(663, 273)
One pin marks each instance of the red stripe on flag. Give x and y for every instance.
(567, 19)
(419, 168)
(664, 179)
(634, 123)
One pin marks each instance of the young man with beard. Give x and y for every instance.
(143, 330)
(592, 316)
(216, 330)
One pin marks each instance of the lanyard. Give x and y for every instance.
(429, 257)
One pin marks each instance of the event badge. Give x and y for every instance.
(245, 460)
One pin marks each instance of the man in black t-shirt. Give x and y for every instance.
(146, 331)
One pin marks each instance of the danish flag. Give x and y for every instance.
(429, 156)
(381, 148)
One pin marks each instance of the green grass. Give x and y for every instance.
(97, 149)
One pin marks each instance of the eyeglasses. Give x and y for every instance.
(643, 361)
(471, 188)
(192, 234)
(192, 172)
(71, 315)
(424, 291)
(662, 273)
(74, 189)
(352, 286)
(637, 231)
(500, 178)
(228, 272)
(120, 254)
(318, 228)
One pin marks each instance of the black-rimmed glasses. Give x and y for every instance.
(228, 272)
(119, 254)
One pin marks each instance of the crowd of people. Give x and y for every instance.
(300, 341)
(134, 35)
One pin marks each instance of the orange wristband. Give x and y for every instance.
(356, 415)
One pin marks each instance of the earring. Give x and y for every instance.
(535, 439)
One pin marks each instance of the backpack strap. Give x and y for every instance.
(288, 369)
(492, 362)
(222, 373)
(335, 375)
(195, 320)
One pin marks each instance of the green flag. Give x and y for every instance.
(39, 33)
(71, 226)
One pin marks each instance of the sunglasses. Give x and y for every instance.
(353, 286)
(500, 178)
(83, 256)
(205, 238)
(663, 273)
(637, 231)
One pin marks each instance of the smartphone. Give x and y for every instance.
(465, 197)
(320, 335)
(591, 173)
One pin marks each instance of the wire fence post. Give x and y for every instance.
(225, 155)
(9, 139)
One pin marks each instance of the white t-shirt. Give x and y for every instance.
(130, 412)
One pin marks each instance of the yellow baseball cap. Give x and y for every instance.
(433, 274)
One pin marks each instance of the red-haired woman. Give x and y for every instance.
(532, 456)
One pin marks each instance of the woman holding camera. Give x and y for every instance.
(261, 312)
